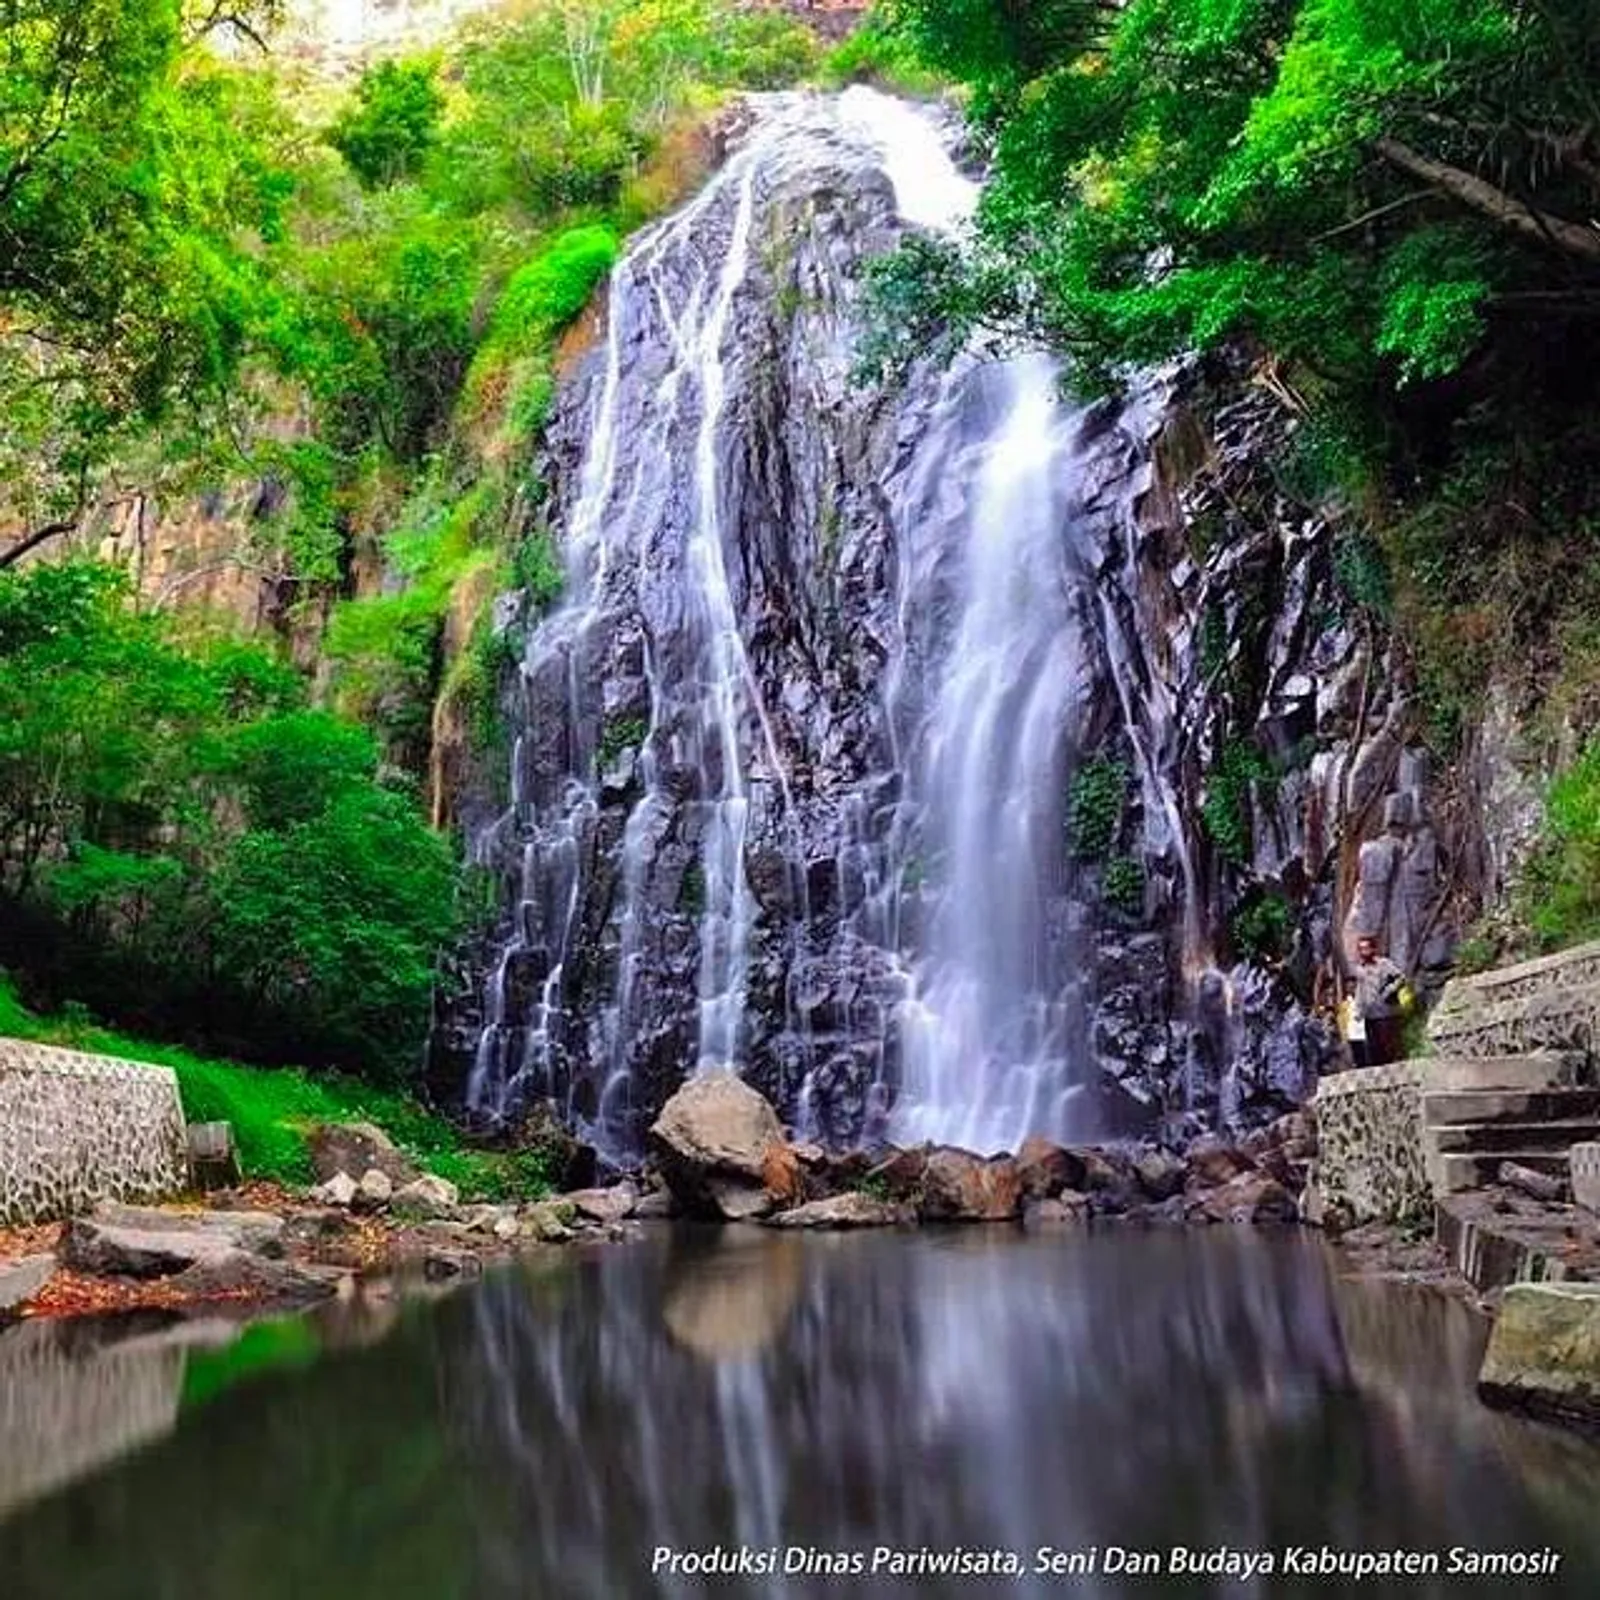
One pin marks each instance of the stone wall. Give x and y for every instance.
(76, 1129)
(1370, 1147)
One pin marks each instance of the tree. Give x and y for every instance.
(1362, 185)
(388, 132)
(129, 174)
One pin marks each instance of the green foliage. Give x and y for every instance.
(1226, 807)
(538, 570)
(1096, 803)
(135, 171)
(166, 795)
(878, 51)
(551, 289)
(1123, 885)
(1261, 927)
(1351, 185)
(389, 130)
(1559, 897)
(1362, 573)
(621, 734)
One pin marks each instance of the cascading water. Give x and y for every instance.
(988, 1034)
(793, 757)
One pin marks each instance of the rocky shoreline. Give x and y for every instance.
(718, 1154)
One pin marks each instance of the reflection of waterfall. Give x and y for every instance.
(958, 1390)
(891, 1394)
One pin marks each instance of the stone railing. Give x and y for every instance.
(1370, 1159)
(1552, 1003)
(76, 1129)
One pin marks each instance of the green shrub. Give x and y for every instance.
(1123, 885)
(1261, 927)
(388, 132)
(1096, 803)
(1560, 891)
(1226, 807)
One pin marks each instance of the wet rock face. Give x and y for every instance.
(721, 846)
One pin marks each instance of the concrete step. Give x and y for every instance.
(1465, 1107)
(1543, 1069)
(1452, 1173)
(1485, 1138)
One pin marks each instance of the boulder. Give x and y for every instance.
(1045, 1169)
(656, 1206)
(1247, 1197)
(1315, 1210)
(339, 1190)
(721, 1150)
(356, 1148)
(1064, 1209)
(1213, 1161)
(851, 1210)
(549, 1222)
(22, 1279)
(899, 1174)
(1544, 1352)
(374, 1192)
(139, 1242)
(958, 1186)
(430, 1196)
(1160, 1175)
(604, 1205)
(440, 1266)
(240, 1275)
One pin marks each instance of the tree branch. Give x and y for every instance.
(1572, 238)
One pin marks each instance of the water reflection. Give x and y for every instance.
(541, 1435)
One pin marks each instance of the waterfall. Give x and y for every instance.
(793, 756)
(988, 1029)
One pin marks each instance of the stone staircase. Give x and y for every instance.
(1513, 1076)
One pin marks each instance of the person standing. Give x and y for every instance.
(1380, 1003)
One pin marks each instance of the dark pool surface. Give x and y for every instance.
(548, 1432)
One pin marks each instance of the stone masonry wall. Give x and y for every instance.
(76, 1129)
(1370, 1153)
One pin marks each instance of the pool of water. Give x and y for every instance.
(593, 1425)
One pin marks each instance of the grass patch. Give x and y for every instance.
(272, 1109)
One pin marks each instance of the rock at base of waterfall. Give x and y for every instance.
(721, 1150)
(1315, 1210)
(899, 1174)
(657, 1206)
(356, 1148)
(615, 1204)
(374, 1192)
(842, 1211)
(1160, 1175)
(1068, 1208)
(339, 1190)
(958, 1186)
(548, 1222)
(1046, 1169)
(1544, 1352)
(22, 1279)
(139, 1242)
(1212, 1161)
(429, 1196)
(1247, 1197)
(239, 1274)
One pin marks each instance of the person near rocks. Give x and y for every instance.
(1379, 1000)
